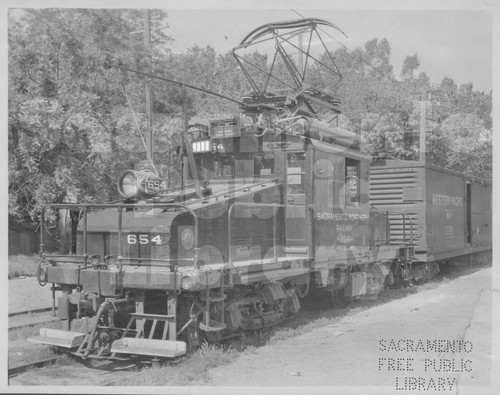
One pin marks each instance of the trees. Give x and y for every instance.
(67, 115)
(468, 144)
(74, 126)
(386, 112)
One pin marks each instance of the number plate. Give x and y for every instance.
(145, 238)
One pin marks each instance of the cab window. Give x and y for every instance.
(203, 167)
(224, 166)
(263, 165)
(295, 172)
(352, 182)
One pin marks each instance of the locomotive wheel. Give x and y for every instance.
(484, 259)
(214, 337)
(339, 300)
(191, 335)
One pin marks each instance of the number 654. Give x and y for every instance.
(143, 239)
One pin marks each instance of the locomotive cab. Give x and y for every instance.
(325, 181)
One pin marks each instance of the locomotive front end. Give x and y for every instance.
(150, 277)
(122, 277)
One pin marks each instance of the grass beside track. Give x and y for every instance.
(21, 353)
(190, 370)
(194, 369)
(32, 330)
(23, 265)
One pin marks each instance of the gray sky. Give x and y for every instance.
(453, 38)
(449, 43)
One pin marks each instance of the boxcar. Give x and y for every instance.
(442, 213)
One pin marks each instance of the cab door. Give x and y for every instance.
(295, 197)
(341, 215)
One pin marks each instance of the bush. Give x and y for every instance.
(23, 265)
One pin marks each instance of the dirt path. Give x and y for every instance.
(343, 354)
(75, 375)
(347, 353)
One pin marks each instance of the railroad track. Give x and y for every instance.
(26, 318)
(31, 311)
(14, 371)
(42, 371)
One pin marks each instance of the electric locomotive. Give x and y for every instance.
(272, 217)
(274, 203)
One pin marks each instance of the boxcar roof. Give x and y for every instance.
(398, 163)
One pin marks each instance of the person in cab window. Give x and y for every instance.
(352, 191)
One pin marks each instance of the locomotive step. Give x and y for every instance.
(57, 337)
(159, 317)
(150, 347)
(302, 250)
(213, 326)
(213, 299)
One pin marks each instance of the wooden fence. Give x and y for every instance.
(27, 242)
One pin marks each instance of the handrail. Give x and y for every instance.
(120, 250)
(404, 215)
(378, 210)
(80, 259)
(240, 187)
(85, 236)
(153, 260)
(120, 207)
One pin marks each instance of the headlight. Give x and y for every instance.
(127, 185)
(140, 184)
(187, 238)
(187, 282)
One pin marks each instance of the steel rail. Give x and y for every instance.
(30, 311)
(17, 327)
(14, 371)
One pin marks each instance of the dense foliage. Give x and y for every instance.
(74, 125)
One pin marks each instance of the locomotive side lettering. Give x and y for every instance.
(342, 217)
(344, 228)
(446, 200)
